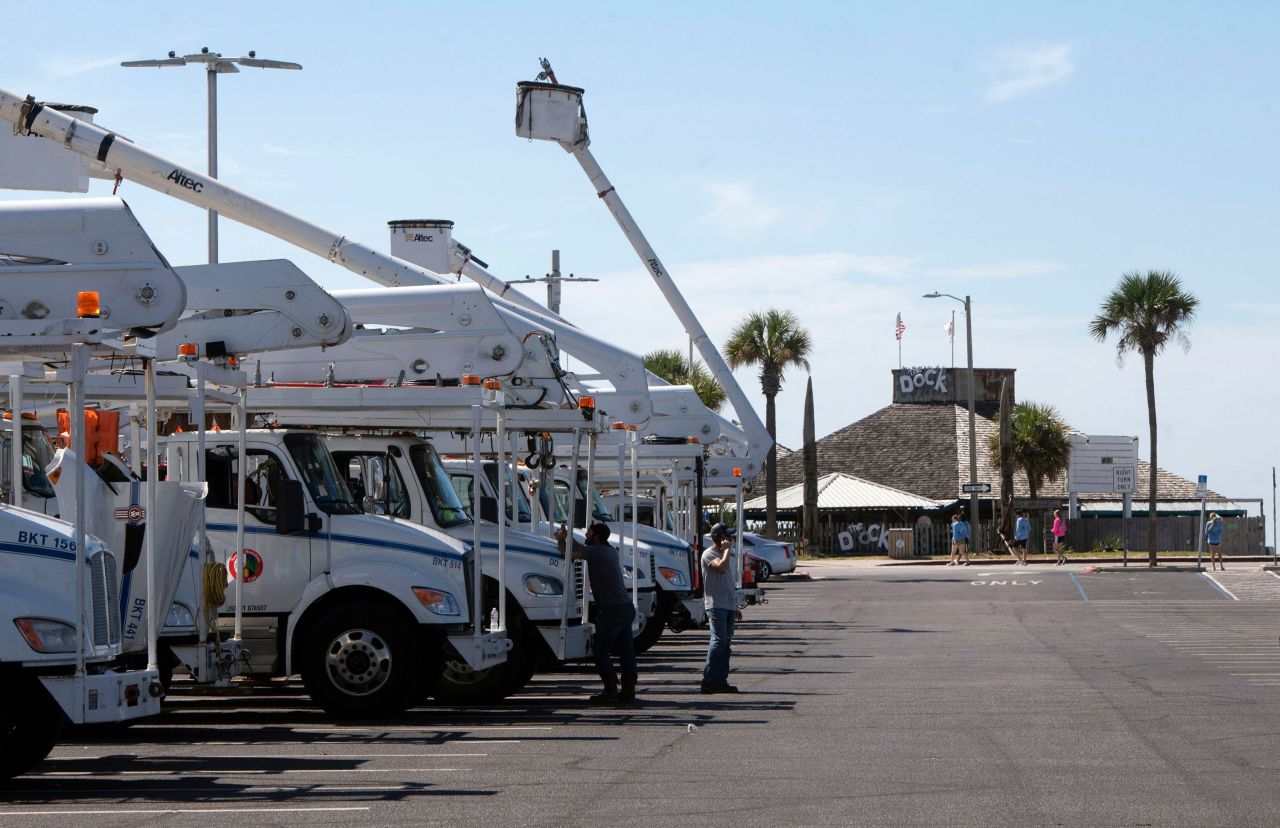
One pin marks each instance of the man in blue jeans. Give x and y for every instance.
(614, 613)
(720, 595)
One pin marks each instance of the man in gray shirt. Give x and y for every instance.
(614, 613)
(720, 595)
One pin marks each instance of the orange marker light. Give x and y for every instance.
(586, 402)
(188, 349)
(737, 472)
(88, 305)
(470, 379)
(693, 441)
(493, 384)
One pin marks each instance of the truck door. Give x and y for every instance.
(275, 567)
(376, 484)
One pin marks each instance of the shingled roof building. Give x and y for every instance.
(920, 444)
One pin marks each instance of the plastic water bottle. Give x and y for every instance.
(493, 619)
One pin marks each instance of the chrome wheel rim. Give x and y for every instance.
(358, 662)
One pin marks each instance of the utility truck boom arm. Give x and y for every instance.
(552, 112)
(158, 173)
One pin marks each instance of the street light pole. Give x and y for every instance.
(211, 73)
(215, 64)
(973, 429)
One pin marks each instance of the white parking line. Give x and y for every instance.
(185, 772)
(114, 811)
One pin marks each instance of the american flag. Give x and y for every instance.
(900, 328)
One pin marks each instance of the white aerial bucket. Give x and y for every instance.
(28, 162)
(423, 242)
(550, 112)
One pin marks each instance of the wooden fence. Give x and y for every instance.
(1240, 536)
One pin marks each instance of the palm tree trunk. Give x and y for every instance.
(1149, 363)
(771, 469)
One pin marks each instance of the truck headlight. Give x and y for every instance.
(543, 585)
(438, 601)
(179, 616)
(46, 636)
(675, 576)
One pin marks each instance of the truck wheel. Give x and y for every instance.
(459, 684)
(30, 723)
(360, 660)
(652, 629)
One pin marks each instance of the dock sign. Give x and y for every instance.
(1122, 478)
(1202, 486)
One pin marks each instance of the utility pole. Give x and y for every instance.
(554, 280)
(215, 64)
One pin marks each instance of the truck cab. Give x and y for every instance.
(366, 608)
(402, 476)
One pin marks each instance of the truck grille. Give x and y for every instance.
(106, 599)
(653, 567)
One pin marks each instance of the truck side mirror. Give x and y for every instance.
(290, 508)
(580, 514)
(489, 509)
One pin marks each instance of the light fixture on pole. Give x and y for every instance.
(554, 280)
(973, 438)
(214, 64)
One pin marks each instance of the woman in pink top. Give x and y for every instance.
(1059, 532)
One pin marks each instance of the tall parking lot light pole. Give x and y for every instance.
(973, 430)
(215, 64)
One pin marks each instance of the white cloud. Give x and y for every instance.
(737, 210)
(1020, 70)
(64, 67)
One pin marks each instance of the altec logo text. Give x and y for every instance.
(419, 237)
(182, 180)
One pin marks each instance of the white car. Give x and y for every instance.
(774, 557)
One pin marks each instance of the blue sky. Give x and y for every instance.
(836, 159)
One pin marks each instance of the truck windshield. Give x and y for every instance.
(320, 475)
(513, 485)
(436, 488)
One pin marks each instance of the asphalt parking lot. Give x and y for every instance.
(890, 695)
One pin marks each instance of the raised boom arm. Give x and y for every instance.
(552, 112)
(160, 174)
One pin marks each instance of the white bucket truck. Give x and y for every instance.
(395, 473)
(60, 621)
(367, 609)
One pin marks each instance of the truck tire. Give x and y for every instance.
(362, 660)
(653, 626)
(459, 684)
(30, 723)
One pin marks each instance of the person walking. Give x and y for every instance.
(959, 541)
(1021, 534)
(614, 613)
(1213, 536)
(720, 596)
(1059, 535)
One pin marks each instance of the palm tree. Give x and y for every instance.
(672, 366)
(1041, 444)
(774, 341)
(1147, 311)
